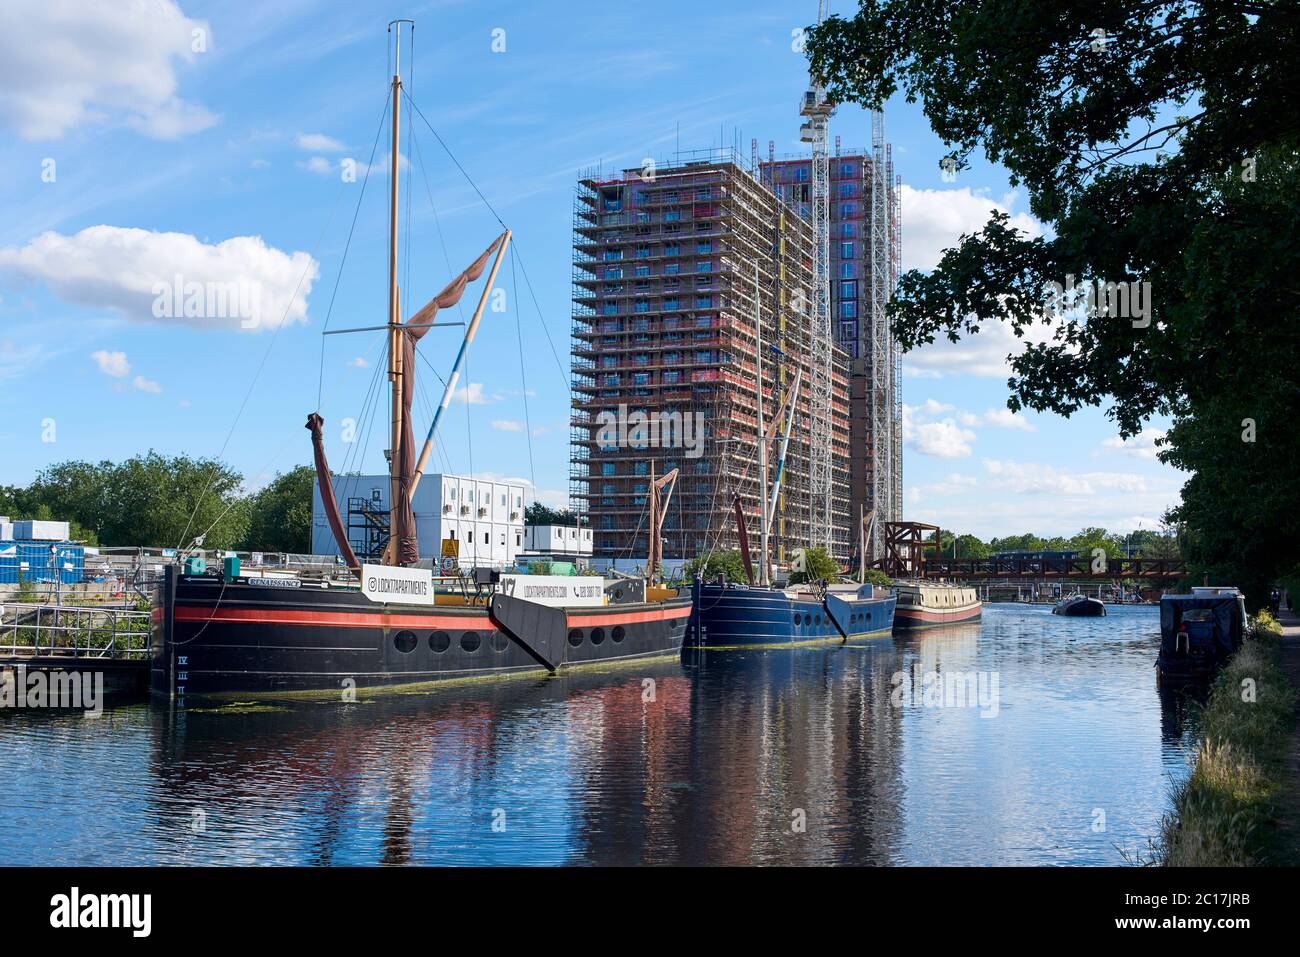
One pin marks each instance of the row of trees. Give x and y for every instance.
(163, 501)
(1143, 543)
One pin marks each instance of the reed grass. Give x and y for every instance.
(1224, 814)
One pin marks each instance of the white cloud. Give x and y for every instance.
(64, 63)
(1006, 419)
(146, 385)
(951, 485)
(944, 439)
(472, 393)
(354, 167)
(934, 219)
(317, 164)
(1140, 446)
(238, 283)
(1013, 497)
(507, 425)
(319, 143)
(1027, 478)
(112, 363)
(358, 363)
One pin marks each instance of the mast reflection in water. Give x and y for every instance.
(802, 756)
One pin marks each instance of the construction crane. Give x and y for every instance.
(817, 109)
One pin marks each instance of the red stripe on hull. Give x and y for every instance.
(333, 619)
(628, 618)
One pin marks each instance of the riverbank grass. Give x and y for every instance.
(1224, 814)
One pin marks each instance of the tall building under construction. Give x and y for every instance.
(865, 255)
(687, 279)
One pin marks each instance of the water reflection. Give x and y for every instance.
(779, 756)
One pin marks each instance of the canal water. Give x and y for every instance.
(1025, 739)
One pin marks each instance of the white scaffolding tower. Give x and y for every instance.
(817, 110)
(884, 392)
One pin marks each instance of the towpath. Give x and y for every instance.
(1290, 799)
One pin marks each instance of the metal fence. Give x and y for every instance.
(74, 630)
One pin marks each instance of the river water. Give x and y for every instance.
(1046, 742)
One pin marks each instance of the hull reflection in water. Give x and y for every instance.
(759, 756)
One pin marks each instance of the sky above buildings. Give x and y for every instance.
(213, 142)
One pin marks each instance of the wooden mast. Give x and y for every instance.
(394, 315)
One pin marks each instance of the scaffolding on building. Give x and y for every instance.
(664, 287)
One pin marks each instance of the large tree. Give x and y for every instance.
(1158, 141)
(279, 516)
(152, 500)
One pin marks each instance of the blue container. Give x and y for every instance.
(8, 563)
(34, 563)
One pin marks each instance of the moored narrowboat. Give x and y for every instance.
(924, 604)
(1198, 632)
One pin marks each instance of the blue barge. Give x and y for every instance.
(731, 615)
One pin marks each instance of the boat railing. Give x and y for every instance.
(78, 631)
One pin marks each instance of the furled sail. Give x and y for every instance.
(326, 485)
(408, 550)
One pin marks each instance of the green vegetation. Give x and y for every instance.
(149, 499)
(1142, 543)
(818, 566)
(279, 516)
(539, 514)
(1153, 155)
(728, 563)
(1224, 812)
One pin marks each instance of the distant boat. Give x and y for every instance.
(1080, 605)
(1198, 632)
(926, 604)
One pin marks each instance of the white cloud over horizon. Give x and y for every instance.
(127, 270)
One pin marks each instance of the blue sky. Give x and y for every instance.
(134, 157)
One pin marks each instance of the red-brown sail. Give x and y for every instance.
(408, 550)
(326, 486)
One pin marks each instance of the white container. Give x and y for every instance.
(6, 531)
(38, 531)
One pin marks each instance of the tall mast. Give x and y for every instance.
(762, 442)
(394, 307)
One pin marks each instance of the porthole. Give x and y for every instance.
(819, 619)
(575, 636)
(618, 634)
(499, 642)
(439, 641)
(470, 641)
(405, 641)
(597, 635)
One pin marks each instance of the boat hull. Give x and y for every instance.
(211, 637)
(919, 619)
(731, 616)
(1085, 608)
